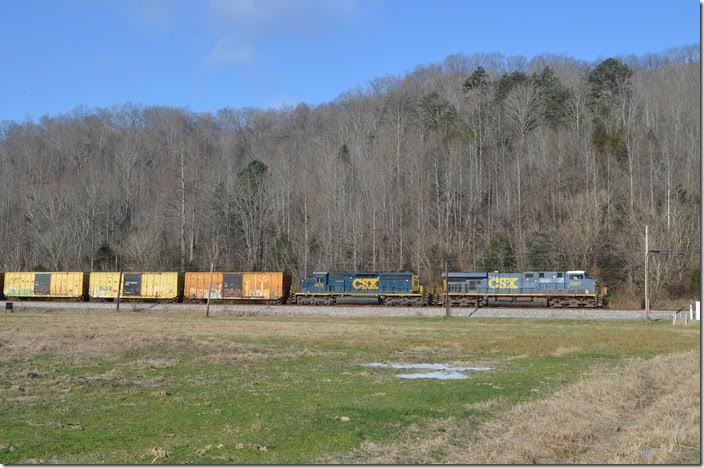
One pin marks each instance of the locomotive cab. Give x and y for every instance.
(576, 275)
(318, 282)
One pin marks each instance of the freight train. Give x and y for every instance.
(571, 288)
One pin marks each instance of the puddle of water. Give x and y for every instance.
(441, 375)
(440, 367)
(442, 371)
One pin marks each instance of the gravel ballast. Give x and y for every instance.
(352, 310)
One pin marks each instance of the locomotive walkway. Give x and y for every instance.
(350, 310)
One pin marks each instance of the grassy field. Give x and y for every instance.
(95, 387)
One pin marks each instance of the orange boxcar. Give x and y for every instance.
(246, 286)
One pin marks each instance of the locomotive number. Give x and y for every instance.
(365, 283)
(503, 283)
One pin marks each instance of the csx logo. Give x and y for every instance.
(365, 283)
(503, 283)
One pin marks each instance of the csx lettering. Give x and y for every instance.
(365, 283)
(503, 283)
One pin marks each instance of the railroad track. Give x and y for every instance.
(345, 310)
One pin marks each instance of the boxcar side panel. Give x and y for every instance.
(197, 283)
(159, 286)
(103, 285)
(19, 284)
(65, 284)
(263, 285)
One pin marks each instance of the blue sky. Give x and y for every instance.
(209, 54)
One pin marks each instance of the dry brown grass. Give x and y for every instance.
(646, 411)
(78, 336)
(86, 336)
(562, 351)
(632, 298)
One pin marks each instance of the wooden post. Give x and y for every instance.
(210, 285)
(447, 297)
(119, 288)
(647, 255)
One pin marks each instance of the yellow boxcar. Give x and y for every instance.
(135, 285)
(260, 286)
(68, 285)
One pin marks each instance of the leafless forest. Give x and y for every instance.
(483, 160)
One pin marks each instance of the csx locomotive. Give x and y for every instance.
(386, 287)
(572, 288)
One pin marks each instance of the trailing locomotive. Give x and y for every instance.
(572, 288)
(385, 287)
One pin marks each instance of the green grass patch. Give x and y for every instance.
(140, 388)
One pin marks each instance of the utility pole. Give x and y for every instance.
(647, 255)
(210, 285)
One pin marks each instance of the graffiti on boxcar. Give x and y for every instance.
(17, 292)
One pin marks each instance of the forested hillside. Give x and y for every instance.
(492, 162)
